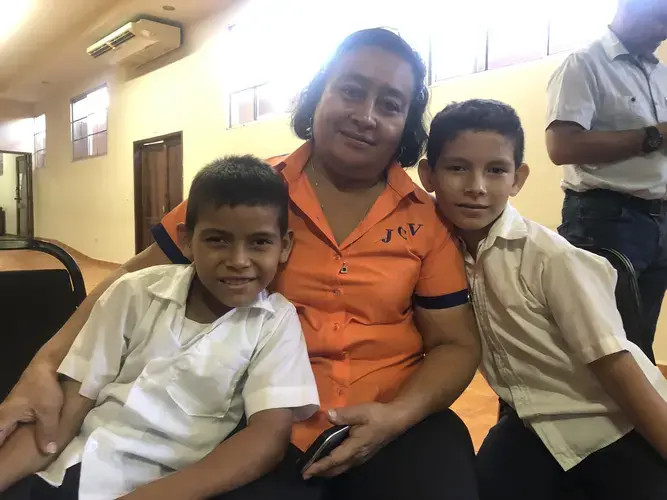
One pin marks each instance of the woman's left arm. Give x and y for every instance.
(453, 353)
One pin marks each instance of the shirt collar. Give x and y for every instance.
(174, 286)
(291, 168)
(614, 48)
(509, 226)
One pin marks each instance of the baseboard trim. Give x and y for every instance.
(78, 255)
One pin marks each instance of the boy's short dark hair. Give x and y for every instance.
(237, 180)
(478, 115)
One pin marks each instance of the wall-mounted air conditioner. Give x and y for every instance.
(136, 43)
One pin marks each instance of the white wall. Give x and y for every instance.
(8, 192)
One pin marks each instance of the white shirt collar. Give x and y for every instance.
(175, 287)
(614, 48)
(509, 226)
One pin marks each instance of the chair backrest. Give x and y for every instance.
(34, 304)
(628, 298)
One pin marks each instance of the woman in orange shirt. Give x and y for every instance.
(378, 283)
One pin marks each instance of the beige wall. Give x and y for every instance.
(8, 192)
(89, 204)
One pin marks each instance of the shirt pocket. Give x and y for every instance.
(629, 112)
(204, 379)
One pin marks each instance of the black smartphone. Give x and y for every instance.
(323, 445)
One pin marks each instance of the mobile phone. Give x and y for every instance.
(323, 445)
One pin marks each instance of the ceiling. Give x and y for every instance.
(43, 42)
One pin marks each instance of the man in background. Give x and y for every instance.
(607, 127)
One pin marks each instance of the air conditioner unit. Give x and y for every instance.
(136, 43)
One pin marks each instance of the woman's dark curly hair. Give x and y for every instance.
(413, 142)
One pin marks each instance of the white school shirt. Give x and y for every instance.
(605, 88)
(167, 390)
(545, 310)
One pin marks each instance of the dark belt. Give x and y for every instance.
(654, 208)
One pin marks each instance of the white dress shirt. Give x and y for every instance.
(168, 390)
(545, 310)
(605, 88)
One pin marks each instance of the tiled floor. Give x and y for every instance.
(478, 406)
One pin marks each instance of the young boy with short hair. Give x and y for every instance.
(173, 357)
(588, 409)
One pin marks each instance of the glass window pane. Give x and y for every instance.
(242, 107)
(80, 129)
(39, 159)
(97, 122)
(80, 149)
(40, 124)
(40, 141)
(568, 32)
(271, 100)
(515, 38)
(98, 144)
(80, 109)
(98, 100)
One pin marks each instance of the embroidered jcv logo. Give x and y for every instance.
(402, 232)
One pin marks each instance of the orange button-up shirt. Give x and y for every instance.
(355, 300)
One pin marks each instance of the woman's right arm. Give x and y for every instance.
(37, 397)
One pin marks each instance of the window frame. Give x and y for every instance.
(72, 102)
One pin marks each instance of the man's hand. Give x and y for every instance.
(36, 398)
(372, 427)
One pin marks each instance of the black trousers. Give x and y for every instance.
(514, 464)
(35, 488)
(624, 223)
(435, 460)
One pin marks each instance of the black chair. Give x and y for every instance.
(628, 298)
(34, 304)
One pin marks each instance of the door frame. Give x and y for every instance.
(29, 202)
(138, 212)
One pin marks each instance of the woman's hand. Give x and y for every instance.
(36, 398)
(373, 425)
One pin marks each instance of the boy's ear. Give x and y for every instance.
(185, 241)
(287, 245)
(520, 176)
(425, 175)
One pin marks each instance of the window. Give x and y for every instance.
(39, 133)
(256, 102)
(89, 124)
(517, 32)
(570, 32)
(271, 44)
(458, 44)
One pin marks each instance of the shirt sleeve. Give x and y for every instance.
(442, 281)
(571, 93)
(95, 357)
(165, 234)
(280, 375)
(579, 288)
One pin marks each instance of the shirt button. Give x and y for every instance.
(339, 391)
(336, 292)
(337, 257)
(336, 327)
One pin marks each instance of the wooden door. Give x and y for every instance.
(158, 184)
(24, 216)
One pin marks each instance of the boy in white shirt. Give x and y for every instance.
(172, 357)
(588, 410)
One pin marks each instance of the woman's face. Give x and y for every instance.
(361, 115)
